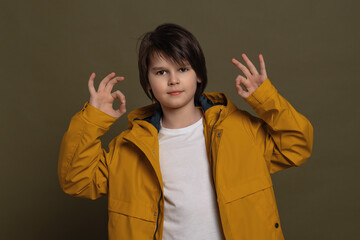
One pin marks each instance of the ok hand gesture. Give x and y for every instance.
(252, 79)
(103, 99)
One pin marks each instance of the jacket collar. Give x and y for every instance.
(144, 124)
(211, 104)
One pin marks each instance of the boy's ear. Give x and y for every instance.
(199, 80)
(148, 87)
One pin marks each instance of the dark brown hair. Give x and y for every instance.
(179, 45)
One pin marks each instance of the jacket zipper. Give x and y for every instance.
(158, 215)
(211, 157)
(212, 162)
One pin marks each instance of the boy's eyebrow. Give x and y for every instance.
(157, 68)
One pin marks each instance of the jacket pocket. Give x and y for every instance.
(251, 210)
(131, 220)
(241, 190)
(133, 209)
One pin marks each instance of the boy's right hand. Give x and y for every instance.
(103, 99)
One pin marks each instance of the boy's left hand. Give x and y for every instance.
(252, 79)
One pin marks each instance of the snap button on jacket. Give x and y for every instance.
(243, 151)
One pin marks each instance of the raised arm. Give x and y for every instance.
(288, 135)
(83, 164)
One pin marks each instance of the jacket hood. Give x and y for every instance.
(210, 103)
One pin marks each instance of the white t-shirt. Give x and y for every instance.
(190, 202)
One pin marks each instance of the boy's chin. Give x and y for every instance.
(175, 105)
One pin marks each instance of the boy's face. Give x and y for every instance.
(173, 85)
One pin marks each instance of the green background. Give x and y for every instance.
(50, 48)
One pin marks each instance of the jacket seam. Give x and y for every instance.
(247, 126)
(71, 158)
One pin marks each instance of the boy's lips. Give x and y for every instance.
(174, 93)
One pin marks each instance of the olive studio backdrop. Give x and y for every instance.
(50, 48)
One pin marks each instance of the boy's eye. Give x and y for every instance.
(161, 72)
(183, 69)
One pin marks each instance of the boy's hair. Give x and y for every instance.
(179, 45)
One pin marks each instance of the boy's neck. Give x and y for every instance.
(180, 118)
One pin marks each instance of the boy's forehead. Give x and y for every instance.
(157, 58)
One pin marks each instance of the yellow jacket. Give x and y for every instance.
(242, 150)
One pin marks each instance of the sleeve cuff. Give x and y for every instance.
(261, 94)
(96, 116)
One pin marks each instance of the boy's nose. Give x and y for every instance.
(173, 80)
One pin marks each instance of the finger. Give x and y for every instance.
(121, 96)
(262, 65)
(91, 84)
(103, 83)
(244, 69)
(238, 81)
(250, 64)
(245, 82)
(112, 82)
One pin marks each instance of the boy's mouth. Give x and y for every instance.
(174, 93)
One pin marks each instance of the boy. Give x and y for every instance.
(191, 165)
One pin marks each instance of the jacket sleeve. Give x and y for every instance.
(83, 164)
(288, 134)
